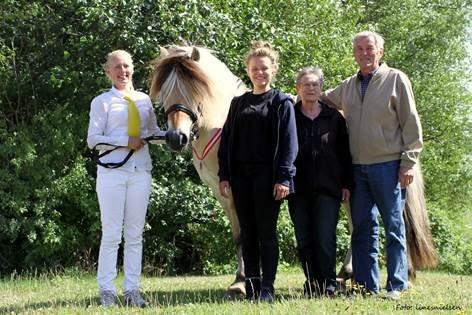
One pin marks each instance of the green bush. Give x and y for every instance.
(186, 230)
(455, 251)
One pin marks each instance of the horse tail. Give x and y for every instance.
(420, 247)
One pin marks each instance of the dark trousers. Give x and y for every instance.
(258, 212)
(315, 217)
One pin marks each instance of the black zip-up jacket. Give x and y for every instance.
(323, 162)
(284, 138)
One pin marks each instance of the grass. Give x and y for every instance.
(75, 293)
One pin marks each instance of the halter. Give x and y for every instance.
(190, 113)
(182, 108)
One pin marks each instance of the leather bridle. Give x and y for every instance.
(193, 117)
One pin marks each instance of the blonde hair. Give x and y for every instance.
(262, 48)
(115, 53)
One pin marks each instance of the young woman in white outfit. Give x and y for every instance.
(123, 192)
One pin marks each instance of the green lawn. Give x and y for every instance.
(71, 293)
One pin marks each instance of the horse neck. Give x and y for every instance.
(213, 117)
(214, 110)
(225, 85)
(208, 130)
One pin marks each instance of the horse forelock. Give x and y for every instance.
(180, 74)
(207, 86)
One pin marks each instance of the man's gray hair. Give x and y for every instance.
(310, 70)
(378, 39)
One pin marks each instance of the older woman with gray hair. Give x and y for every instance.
(323, 180)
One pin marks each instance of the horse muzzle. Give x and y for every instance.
(176, 140)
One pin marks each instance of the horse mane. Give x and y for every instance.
(182, 72)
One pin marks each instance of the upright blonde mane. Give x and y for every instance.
(204, 84)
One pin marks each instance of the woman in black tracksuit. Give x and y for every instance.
(257, 150)
(323, 180)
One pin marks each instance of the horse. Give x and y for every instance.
(196, 89)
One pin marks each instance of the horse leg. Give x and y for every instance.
(345, 272)
(238, 285)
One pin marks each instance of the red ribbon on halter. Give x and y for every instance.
(213, 140)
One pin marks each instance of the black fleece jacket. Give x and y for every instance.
(324, 161)
(284, 146)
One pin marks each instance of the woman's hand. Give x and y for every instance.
(135, 143)
(345, 195)
(280, 191)
(224, 188)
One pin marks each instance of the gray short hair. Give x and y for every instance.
(310, 70)
(378, 39)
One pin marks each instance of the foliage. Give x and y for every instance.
(186, 228)
(51, 54)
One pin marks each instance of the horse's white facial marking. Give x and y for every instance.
(172, 87)
(173, 92)
(177, 119)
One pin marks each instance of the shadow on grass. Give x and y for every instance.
(158, 298)
(164, 298)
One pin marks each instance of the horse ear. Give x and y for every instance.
(195, 54)
(164, 52)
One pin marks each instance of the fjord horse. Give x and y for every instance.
(196, 89)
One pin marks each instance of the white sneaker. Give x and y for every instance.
(133, 298)
(107, 298)
(393, 295)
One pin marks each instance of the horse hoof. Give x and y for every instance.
(342, 285)
(345, 274)
(237, 288)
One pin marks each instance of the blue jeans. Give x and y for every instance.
(377, 190)
(315, 217)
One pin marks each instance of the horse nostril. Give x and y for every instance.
(176, 140)
(183, 139)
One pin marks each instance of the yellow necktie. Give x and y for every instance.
(134, 129)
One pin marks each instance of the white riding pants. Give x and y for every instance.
(123, 197)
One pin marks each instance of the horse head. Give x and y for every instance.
(181, 85)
